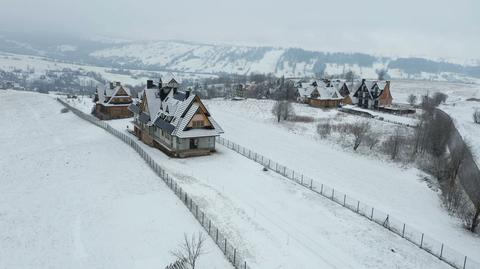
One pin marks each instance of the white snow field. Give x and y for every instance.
(389, 187)
(74, 196)
(280, 224)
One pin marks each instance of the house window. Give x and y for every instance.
(197, 123)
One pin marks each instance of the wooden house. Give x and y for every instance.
(325, 96)
(305, 91)
(372, 94)
(174, 121)
(112, 101)
(323, 93)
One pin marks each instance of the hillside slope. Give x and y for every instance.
(73, 196)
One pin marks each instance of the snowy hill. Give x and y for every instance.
(207, 58)
(200, 58)
(77, 197)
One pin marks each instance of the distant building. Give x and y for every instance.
(372, 94)
(322, 94)
(112, 101)
(239, 91)
(174, 121)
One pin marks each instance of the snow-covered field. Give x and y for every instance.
(73, 196)
(400, 191)
(280, 224)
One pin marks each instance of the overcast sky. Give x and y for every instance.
(430, 28)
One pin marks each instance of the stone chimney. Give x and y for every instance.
(111, 85)
(187, 94)
(118, 83)
(149, 84)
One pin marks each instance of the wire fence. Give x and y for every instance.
(420, 239)
(235, 257)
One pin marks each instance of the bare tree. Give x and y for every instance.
(412, 99)
(382, 73)
(439, 98)
(283, 110)
(371, 139)
(476, 116)
(350, 76)
(459, 152)
(324, 129)
(191, 249)
(393, 143)
(287, 111)
(359, 132)
(277, 110)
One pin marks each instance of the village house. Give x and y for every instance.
(325, 96)
(239, 92)
(372, 94)
(112, 101)
(174, 121)
(322, 94)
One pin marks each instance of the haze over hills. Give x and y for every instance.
(200, 58)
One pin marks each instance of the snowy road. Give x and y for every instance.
(73, 196)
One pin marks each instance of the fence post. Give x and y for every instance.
(321, 190)
(209, 225)
(421, 242)
(403, 232)
(358, 206)
(234, 256)
(196, 212)
(226, 246)
(441, 252)
(245, 265)
(344, 198)
(216, 238)
(465, 262)
(333, 194)
(371, 216)
(311, 183)
(203, 216)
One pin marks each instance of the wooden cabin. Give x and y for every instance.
(325, 96)
(112, 101)
(174, 121)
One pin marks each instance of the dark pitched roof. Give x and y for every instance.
(134, 108)
(162, 124)
(144, 118)
(180, 96)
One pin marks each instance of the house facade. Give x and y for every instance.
(112, 101)
(372, 94)
(174, 121)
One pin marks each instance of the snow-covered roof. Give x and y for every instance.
(328, 92)
(305, 91)
(172, 110)
(106, 92)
